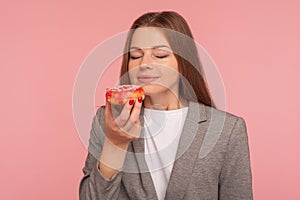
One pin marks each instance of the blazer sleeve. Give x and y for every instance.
(93, 185)
(236, 178)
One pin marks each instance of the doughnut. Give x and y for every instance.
(122, 93)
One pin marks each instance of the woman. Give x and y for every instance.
(175, 144)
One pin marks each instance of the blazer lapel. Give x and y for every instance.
(188, 150)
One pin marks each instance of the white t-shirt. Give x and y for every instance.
(162, 133)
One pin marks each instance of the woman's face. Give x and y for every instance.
(152, 63)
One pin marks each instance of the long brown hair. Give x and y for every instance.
(193, 86)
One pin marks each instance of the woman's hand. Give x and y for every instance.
(120, 131)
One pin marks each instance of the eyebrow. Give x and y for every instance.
(154, 47)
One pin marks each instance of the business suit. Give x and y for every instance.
(214, 162)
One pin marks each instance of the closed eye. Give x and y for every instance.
(135, 57)
(161, 53)
(161, 56)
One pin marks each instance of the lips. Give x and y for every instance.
(147, 79)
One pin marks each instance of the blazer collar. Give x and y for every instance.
(197, 112)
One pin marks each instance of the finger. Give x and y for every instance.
(133, 126)
(135, 113)
(125, 114)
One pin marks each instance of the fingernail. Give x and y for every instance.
(140, 99)
(131, 102)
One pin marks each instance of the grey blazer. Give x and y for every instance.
(213, 162)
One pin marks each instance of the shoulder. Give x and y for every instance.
(100, 111)
(216, 115)
(221, 129)
(224, 123)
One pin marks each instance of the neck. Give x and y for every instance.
(164, 102)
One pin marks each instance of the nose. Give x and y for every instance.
(147, 61)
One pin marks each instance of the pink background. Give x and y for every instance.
(43, 43)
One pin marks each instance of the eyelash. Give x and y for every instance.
(137, 57)
(134, 58)
(164, 56)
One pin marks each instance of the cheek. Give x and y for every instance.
(170, 76)
(132, 73)
(172, 63)
(132, 64)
